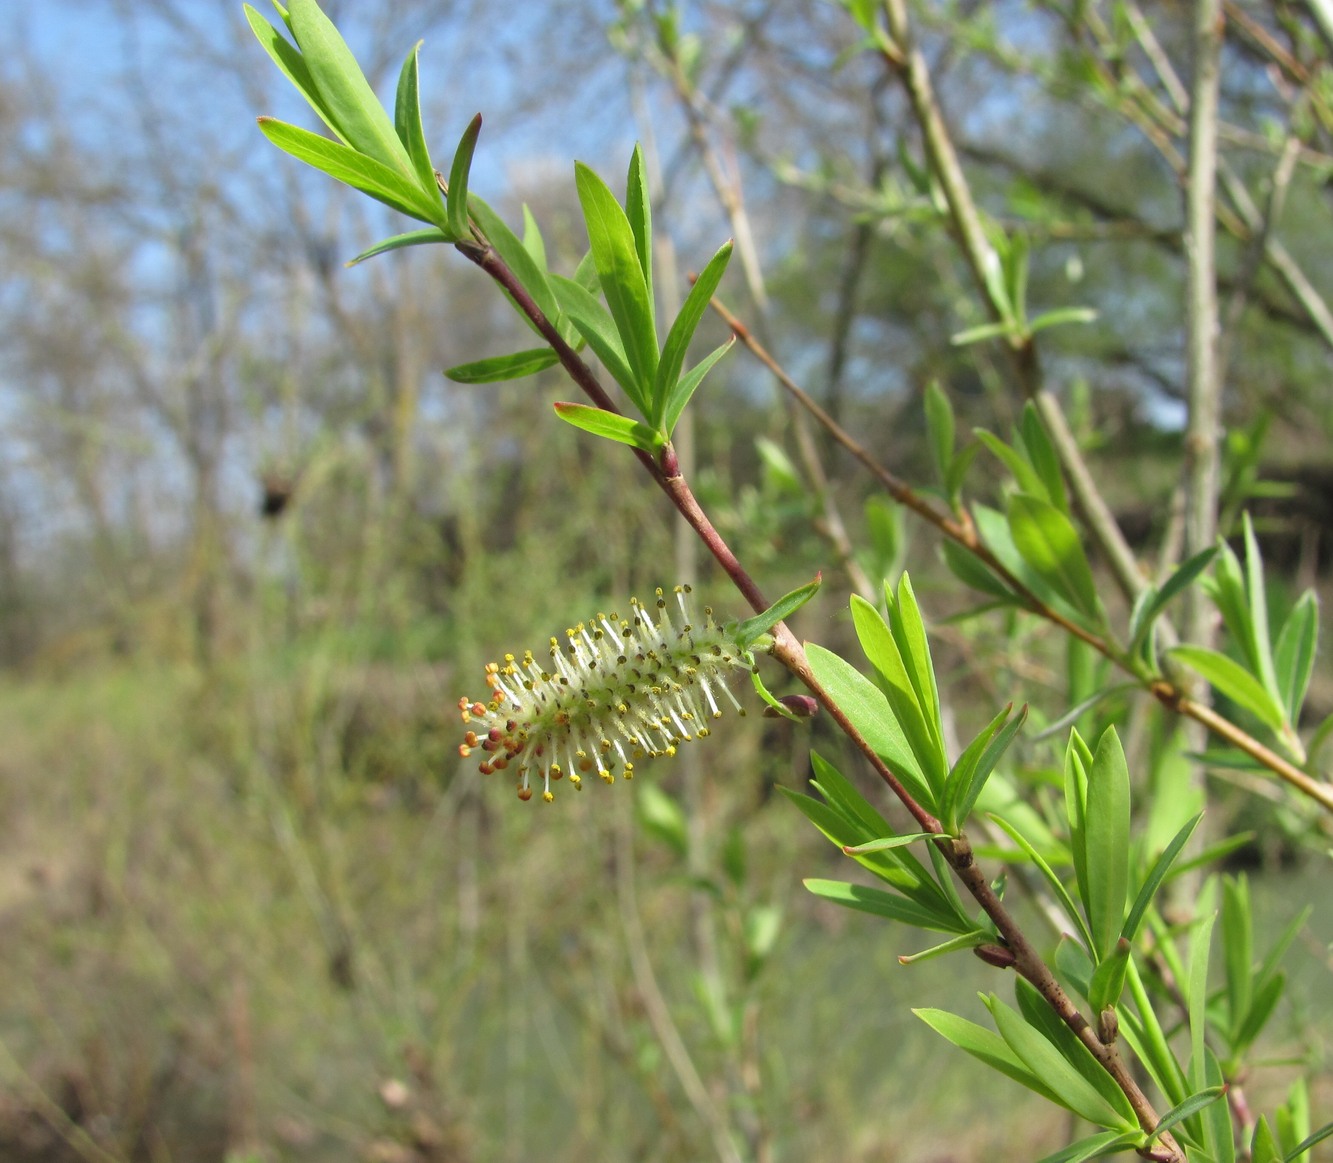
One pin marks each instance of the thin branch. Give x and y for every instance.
(909, 65)
(1203, 387)
(789, 651)
(963, 532)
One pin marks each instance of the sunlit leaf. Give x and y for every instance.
(504, 367)
(612, 425)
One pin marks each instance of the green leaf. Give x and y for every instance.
(1039, 1015)
(1095, 1146)
(1071, 1089)
(407, 124)
(1108, 979)
(868, 709)
(972, 572)
(431, 235)
(1263, 1146)
(1197, 999)
(986, 1046)
(884, 843)
(1306, 1144)
(763, 924)
(614, 250)
(1294, 656)
(504, 367)
(639, 212)
(909, 631)
(1072, 911)
(682, 330)
(995, 749)
(1146, 614)
(1024, 474)
(1232, 680)
(1154, 878)
(959, 779)
(1181, 1111)
(882, 651)
(661, 817)
(1050, 544)
(516, 257)
(1041, 454)
(841, 793)
(879, 903)
(957, 474)
(290, 63)
(685, 387)
(457, 204)
(611, 425)
(595, 324)
(532, 239)
(347, 165)
(1262, 658)
(1141, 1029)
(1237, 946)
(970, 335)
(749, 631)
(1061, 316)
(1106, 842)
(940, 428)
(353, 109)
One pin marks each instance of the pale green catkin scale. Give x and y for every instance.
(620, 690)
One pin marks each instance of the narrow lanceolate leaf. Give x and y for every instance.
(290, 63)
(1294, 655)
(1041, 453)
(615, 252)
(639, 212)
(504, 367)
(1057, 885)
(1071, 1089)
(1181, 1111)
(1153, 881)
(532, 238)
(458, 178)
(883, 653)
(1262, 661)
(682, 330)
(598, 329)
(1027, 477)
(971, 788)
(611, 425)
(879, 903)
(407, 122)
(1233, 680)
(688, 384)
(1197, 998)
(516, 257)
(432, 235)
(909, 631)
(1094, 1147)
(355, 111)
(750, 629)
(1050, 544)
(971, 571)
(1106, 842)
(1151, 609)
(986, 1046)
(1037, 1012)
(940, 428)
(867, 708)
(351, 167)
